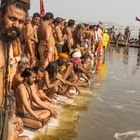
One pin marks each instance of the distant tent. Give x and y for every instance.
(42, 10)
(138, 19)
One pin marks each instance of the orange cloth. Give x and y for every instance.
(56, 56)
(45, 35)
(64, 56)
(41, 49)
(52, 54)
(99, 68)
(100, 47)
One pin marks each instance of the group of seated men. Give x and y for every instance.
(52, 65)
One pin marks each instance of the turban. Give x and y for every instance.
(76, 53)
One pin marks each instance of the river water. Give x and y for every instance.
(114, 110)
(111, 111)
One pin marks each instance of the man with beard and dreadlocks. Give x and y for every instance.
(13, 14)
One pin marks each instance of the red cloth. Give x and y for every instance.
(76, 61)
(42, 10)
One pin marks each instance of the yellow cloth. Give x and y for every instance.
(62, 68)
(105, 39)
(104, 70)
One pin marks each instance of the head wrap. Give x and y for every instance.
(76, 53)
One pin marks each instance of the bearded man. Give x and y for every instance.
(13, 14)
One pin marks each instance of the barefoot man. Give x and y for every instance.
(13, 14)
(31, 39)
(47, 50)
(24, 95)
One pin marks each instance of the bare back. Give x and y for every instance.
(69, 36)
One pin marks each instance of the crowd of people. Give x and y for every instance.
(43, 61)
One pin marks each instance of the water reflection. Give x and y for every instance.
(114, 111)
(101, 67)
(125, 55)
(104, 68)
(117, 52)
(136, 68)
(138, 57)
(114, 103)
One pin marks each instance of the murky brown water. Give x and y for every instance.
(112, 111)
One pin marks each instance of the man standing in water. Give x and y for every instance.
(13, 14)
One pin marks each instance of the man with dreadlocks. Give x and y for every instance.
(13, 14)
(78, 35)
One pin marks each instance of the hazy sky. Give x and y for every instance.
(118, 11)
